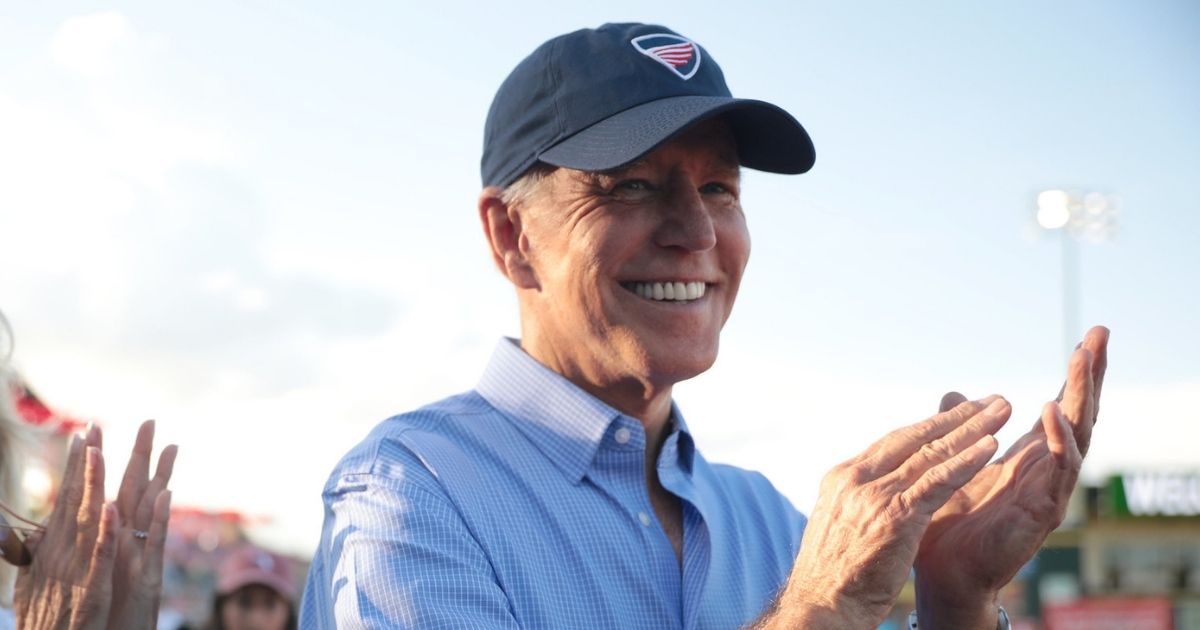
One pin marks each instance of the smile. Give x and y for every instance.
(667, 291)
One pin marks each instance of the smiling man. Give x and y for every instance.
(565, 490)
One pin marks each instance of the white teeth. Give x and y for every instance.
(668, 291)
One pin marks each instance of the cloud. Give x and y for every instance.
(135, 233)
(93, 45)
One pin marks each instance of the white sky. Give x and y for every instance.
(255, 222)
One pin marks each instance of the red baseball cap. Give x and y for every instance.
(253, 565)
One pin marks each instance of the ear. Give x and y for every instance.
(502, 227)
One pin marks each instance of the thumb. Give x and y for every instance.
(950, 401)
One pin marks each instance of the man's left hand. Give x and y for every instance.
(993, 525)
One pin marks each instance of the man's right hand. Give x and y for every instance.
(864, 532)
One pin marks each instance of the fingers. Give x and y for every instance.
(1096, 340)
(947, 448)
(146, 509)
(157, 539)
(1078, 402)
(89, 514)
(91, 612)
(94, 436)
(978, 418)
(1063, 447)
(70, 495)
(137, 471)
(1060, 439)
(950, 401)
(937, 484)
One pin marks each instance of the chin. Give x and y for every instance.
(674, 367)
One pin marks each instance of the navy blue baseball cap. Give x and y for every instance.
(597, 99)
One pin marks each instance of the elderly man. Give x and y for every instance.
(565, 490)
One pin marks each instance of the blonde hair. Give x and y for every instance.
(13, 437)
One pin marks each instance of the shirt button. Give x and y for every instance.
(644, 518)
(622, 436)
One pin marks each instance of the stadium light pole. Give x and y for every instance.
(1076, 216)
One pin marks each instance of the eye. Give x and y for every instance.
(718, 188)
(639, 185)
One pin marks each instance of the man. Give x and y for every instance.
(565, 490)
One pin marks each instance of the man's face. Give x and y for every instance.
(604, 247)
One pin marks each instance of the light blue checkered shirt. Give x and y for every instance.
(523, 504)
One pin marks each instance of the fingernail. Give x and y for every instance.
(985, 443)
(996, 405)
(988, 400)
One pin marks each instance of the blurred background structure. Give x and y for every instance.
(255, 221)
(1075, 217)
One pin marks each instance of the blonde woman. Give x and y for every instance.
(12, 437)
(94, 564)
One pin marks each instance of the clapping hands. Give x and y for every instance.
(99, 564)
(926, 496)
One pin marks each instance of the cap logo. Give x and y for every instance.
(677, 54)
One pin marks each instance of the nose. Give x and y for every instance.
(687, 223)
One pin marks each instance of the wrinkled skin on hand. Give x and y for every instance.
(89, 571)
(143, 504)
(994, 524)
(68, 584)
(864, 532)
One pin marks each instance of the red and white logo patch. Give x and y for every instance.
(675, 53)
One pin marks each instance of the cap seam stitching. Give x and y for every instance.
(554, 72)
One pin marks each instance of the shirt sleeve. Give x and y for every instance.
(395, 553)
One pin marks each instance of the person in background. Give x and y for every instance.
(12, 435)
(255, 591)
(93, 564)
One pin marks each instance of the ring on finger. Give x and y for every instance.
(140, 535)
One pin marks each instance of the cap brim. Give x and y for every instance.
(768, 138)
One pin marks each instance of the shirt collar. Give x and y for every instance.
(680, 441)
(565, 422)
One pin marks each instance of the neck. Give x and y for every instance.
(635, 397)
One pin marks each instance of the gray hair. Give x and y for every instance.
(527, 186)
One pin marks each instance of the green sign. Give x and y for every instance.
(1154, 494)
